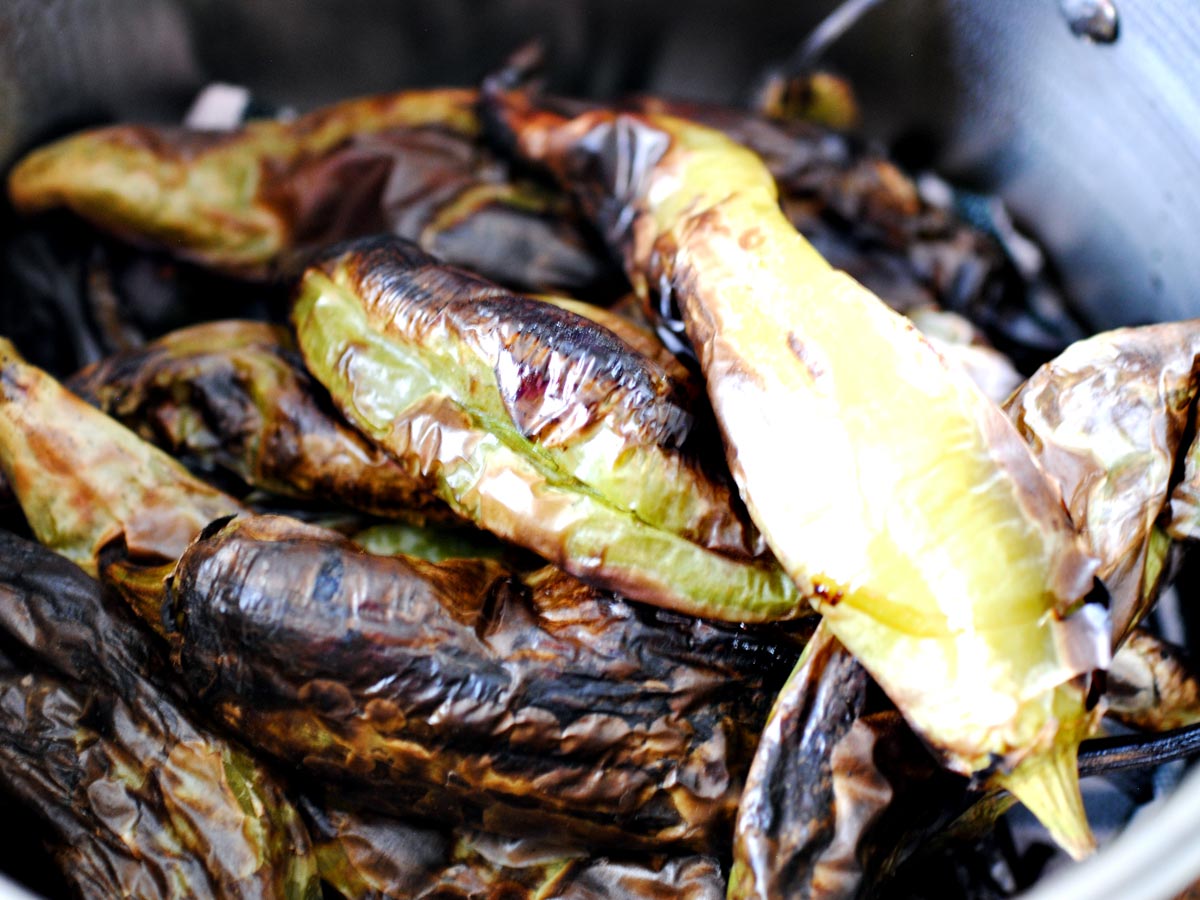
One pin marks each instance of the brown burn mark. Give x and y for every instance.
(751, 239)
(827, 596)
(550, 364)
(811, 362)
(234, 395)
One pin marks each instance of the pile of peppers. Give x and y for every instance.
(594, 500)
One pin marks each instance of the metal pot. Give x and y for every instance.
(1082, 115)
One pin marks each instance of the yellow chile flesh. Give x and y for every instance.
(894, 493)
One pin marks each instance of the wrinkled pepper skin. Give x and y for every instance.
(1107, 419)
(235, 395)
(143, 807)
(1153, 685)
(865, 215)
(536, 424)
(369, 856)
(455, 691)
(83, 480)
(143, 802)
(908, 507)
(789, 811)
(256, 200)
(839, 792)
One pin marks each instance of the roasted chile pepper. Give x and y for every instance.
(141, 800)
(257, 200)
(840, 791)
(370, 856)
(908, 507)
(535, 424)
(83, 479)
(235, 395)
(1108, 420)
(207, 195)
(526, 706)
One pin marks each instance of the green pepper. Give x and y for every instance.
(537, 425)
(83, 480)
(257, 200)
(235, 395)
(208, 195)
(901, 501)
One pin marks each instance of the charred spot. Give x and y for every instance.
(805, 357)
(328, 580)
(827, 596)
(521, 337)
(751, 239)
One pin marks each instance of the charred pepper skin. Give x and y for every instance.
(840, 792)
(257, 201)
(141, 804)
(916, 517)
(143, 801)
(536, 424)
(533, 706)
(207, 194)
(235, 395)
(370, 856)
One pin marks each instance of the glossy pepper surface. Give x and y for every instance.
(536, 424)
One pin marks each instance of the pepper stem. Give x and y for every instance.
(1048, 784)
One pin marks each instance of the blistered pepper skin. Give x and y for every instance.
(141, 800)
(206, 195)
(523, 706)
(234, 395)
(904, 504)
(258, 200)
(370, 856)
(536, 424)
